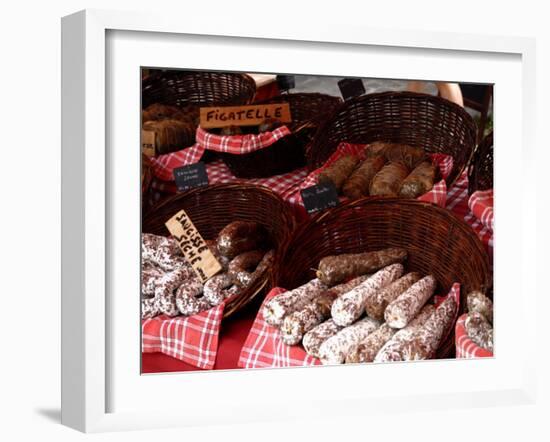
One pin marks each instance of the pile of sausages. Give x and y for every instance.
(363, 308)
(170, 286)
(479, 322)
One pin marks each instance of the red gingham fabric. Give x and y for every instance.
(481, 205)
(437, 194)
(465, 347)
(163, 165)
(457, 202)
(264, 349)
(192, 339)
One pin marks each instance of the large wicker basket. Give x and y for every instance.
(212, 208)
(438, 243)
(308, 110)
(480, 170)
(426, 121)
(189, 90)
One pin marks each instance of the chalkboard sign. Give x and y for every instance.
(286, 82)
(320, 197)
(351, 87)
(188, 177)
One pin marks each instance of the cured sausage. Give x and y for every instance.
(391, 351)
(335, 349)
(239, 237)
(479, 330)
(337, 268)
(338, 171)
(367, 350)
(316, 336)
(351, 305)
(478, 302)
(214, 288)
(358, 184)
(377, 303)
(419, 181)
(407, 305)
(387, 181)
(281, 305)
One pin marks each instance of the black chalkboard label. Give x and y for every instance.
(188, 177)
(286, 82)
(320, 197)
(351, 87)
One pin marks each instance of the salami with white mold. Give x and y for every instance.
(392, 350)
(336, 348)
(351, 305)
(281, 305)
(377, 303)
(314, 338)
(407, 305)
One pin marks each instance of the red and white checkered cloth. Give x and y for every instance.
(163, 166)
(481, 205)
(191, 339)
(457, 202)
(263, 347)
(436, 195)
(465, 347)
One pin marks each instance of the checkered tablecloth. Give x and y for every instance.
(465, 347)
(457, 202)
(264, 348)
(436, 195)
(192, 339)
(219, 173)
(481, 205)
(163, 165)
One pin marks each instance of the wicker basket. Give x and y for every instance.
(438, 243)
(189, 90)
(480, 171)
(184, 88)
(212, 208)
(308, 110)
(429, 122)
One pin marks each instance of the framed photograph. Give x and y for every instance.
(245, 221)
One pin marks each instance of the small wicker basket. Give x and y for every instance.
(308, 110)
(425, 121)
(212, 208)
(480, 170)
(437, 242)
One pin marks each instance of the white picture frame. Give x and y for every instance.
(87, 215)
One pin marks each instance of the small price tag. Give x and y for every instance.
(193, 246)
(320, 197)
(351, 87)
(188, 177)
(286, 82)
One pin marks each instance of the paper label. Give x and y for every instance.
(148, 142)
(193, 246)
(244, 115)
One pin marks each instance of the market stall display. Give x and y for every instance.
(334, 223)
